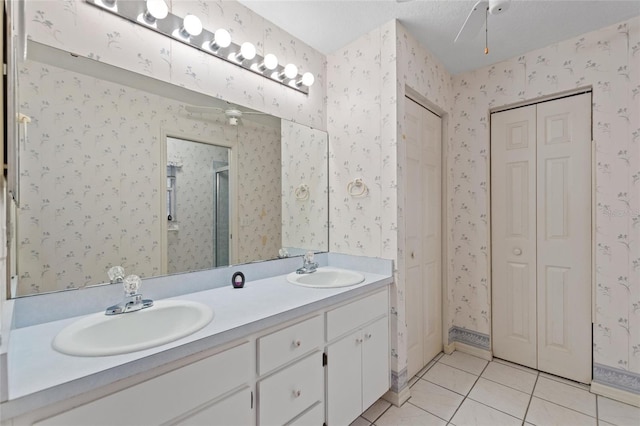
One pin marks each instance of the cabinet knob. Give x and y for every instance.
(517, 251)
(359, 340)
(297, 393)
(297, 343)
(413, 255)
(367, 336)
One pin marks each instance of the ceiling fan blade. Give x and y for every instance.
(474, 22)
(202, 109)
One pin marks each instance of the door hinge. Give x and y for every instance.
(324, 359)
(252, 400)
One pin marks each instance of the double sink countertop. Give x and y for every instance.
(38, 375)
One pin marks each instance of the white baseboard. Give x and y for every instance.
(614, 393)
(448, 349)
(471, 350)
(397, 399)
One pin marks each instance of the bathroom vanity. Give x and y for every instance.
(275, 353)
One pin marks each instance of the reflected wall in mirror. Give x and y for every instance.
(93, 179)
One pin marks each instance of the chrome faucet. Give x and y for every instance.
(133, 300)
(308, 265)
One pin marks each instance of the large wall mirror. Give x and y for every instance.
(119, 169)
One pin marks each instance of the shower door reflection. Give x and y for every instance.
(221, 230)
(198, 226)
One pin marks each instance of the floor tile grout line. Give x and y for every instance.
(382, 414)
(468, 372)
(526, 412)
(427, 411)
(510, 387)
(468, 392)
(597, 414)
(495, 408)
(562, 380)
(564, 406)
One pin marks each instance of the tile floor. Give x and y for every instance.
(463, 390)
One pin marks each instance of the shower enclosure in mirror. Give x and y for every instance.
(96, 189)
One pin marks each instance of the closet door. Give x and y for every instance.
(564, 237)
(513, 227)
(422, 207)
(541, 236)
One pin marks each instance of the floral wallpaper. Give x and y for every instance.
(75, 26)
(105, 160)
(260, 230)
(365, 95)
(304, 213)
(190, 237)
(608, 60)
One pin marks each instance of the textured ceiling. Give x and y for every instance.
(527, 25)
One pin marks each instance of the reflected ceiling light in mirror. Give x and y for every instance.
(191, 26)
(221, 40)
(154, 15)
(156, 9)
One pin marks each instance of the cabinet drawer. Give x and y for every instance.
(313, 417)
(166, 397)
(349, 317)
(285, 345)
(234, 410)
(289, 392)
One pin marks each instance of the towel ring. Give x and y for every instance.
(302, 192)
(357, 188)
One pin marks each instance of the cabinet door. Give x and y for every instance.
(375, 362)
(234, 410)
(344, 380)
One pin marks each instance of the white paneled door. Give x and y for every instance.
(423, 259)
(541, 236)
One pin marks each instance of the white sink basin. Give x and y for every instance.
(100, 334)
(326, 277)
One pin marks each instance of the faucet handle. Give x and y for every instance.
(116, 274)
(308, 257)
(131, 284)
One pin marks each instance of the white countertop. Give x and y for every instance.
(38, 375)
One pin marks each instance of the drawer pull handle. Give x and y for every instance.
(297, 343)
(297, 393)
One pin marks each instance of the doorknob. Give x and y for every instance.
(517, 251)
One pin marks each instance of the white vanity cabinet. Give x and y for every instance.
(323, 367)
(297, 385)
(191, 390)
(357, 357)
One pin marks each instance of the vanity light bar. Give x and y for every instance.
(153, 14)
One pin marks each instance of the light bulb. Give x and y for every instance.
(291, 71)
(191, 25)
(307, 79)
(222, 38)
(247, 51)
(270, 61)
(158, 9)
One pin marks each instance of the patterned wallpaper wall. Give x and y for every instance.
(260, 235)
(304, 162)
(357, 94)
(91, 179)
(608, 60)
(365, 107)
(75, 26)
